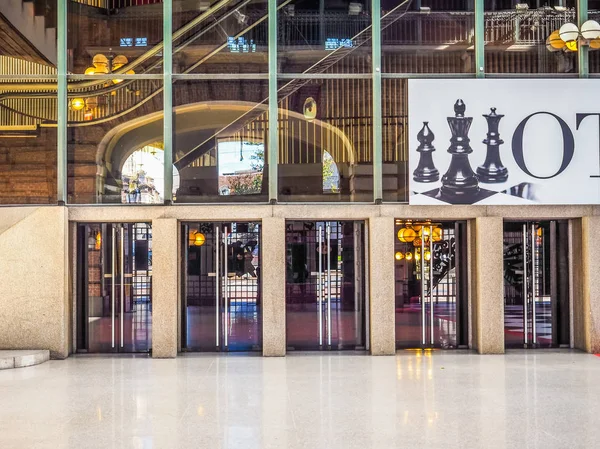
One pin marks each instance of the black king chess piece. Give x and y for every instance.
(460, 184)
(426, 171)
(492, 170)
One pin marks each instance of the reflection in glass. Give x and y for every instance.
(103, 32)
(220, 135)
(429, 36)
(28, 107)
(594, 48)
(394, 100)
(220, 37)
(517, 37)
(431, 284)
(324, 36)
(107, 123)
(325, 305)
(325, 140)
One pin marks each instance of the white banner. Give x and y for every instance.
(540, 144)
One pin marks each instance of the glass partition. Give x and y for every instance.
(428, 36)
(28, 104)
(594, 48)
(325, 140)
(115, 141)
(522, 38)
(219, 140)
(394, 100)
(324, 36)
(220, 36)
(107, 36)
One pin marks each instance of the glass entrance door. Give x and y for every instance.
(431, 284)
(325, 291)
(114, 287)
(536, 284)
(221, 287)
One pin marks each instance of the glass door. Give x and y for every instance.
(536, 284)
(221, 287)
(114, 284)
(431, 284)
(325, 291)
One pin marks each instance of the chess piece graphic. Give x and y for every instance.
(492, 170)
(460, 184)
(426, 171)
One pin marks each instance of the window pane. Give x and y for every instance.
(109, 35)
(325, 140)
(431, 36)
(330, 36)
(219, 140)
(28, 107)
(225, 37)
(115, 142)
(594, 53)
(395, 139)
(517, 37)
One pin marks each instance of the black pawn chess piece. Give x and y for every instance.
(492, 170)
(460, 184)
(426, 171)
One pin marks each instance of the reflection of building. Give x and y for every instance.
(327, 109)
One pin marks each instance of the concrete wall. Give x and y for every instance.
(34, 258)
(34, 299)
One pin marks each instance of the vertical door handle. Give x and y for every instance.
(423, 293)
(328, 284)
(226, 286)
(534, 281)
(525, 283)
(113, 287)
(430, 284)
(320, 286)
(217, 283)
(122, 256)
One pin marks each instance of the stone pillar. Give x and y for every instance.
(381, 286)
(487, 285)
(273, 286)
(586, 299)
(165, 287)
(34, 279)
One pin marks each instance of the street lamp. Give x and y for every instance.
(572, 36)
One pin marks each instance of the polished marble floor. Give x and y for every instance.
(540, 399)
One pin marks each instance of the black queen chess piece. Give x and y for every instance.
(492, 170)
(460, 184)
(426, 171)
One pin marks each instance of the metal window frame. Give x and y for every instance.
(273, 76)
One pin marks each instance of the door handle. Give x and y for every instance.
(320, 286)
(328, 285)
(113, 288)
(525, 284)
(122, 255)
(217, 282)
(226, 287)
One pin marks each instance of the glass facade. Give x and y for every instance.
(85, 84)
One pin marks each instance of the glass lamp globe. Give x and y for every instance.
(590, 30)
(568, 32)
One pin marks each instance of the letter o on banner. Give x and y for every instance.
(568, 145)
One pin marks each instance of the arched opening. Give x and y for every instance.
(143, 178)
(331, 174)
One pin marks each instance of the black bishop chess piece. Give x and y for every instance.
(460, 184)
(492, 170)
(426, 171)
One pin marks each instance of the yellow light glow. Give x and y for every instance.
(399, 255)
(595, 44)
(555, 41)
(417, 256)
(406, 235)
(438, 234)
(90, 71)
(571, 45)
(77, 104)
(408, 256)
(199, 239)
(98, 244)
(427, 255)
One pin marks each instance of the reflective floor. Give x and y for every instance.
(534, 399)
